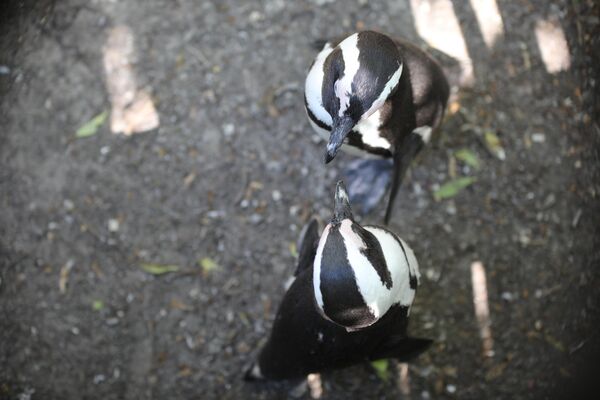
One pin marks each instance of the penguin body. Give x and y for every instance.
(379, 95)
(349, 301)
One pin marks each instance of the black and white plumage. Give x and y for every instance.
(380, 95)
(349, 301)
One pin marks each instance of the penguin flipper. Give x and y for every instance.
(368, 181)
(403, 349)
(307, 245)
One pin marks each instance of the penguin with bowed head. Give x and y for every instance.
(349, 301)
(379, 95)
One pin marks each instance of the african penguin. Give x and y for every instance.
(349, 302)
(380, 95)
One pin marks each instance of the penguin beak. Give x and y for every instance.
(341, 208)
(340, 130)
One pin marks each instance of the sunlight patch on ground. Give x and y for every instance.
(315, 385)
(489, 20)
(553, 45)
(403, 379)
(437, 24)
(132, 108)
(482, 309)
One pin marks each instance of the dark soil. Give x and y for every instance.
(234, 171)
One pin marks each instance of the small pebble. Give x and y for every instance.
(99, 379)
(276, 195)
(113, 225)
(75, 330)
(255, 16)
(228, 130)
(450, 388)
(255, 219)
(508, 296)
(112, 321)
(189, 342)
(4, 70)
(538, 137)
(68, 205)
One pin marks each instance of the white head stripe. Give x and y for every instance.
(317, 268)
(313, 87)
(389, 86)
(343, 86)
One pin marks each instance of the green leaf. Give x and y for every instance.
(159, 269)
(208, 265)
(91, 127)
(98, 305)
(381, 369)
(451, 189)
(492, 142)
(293, 249)
(467, 157)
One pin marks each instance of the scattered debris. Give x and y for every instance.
(179, 305)
(557, 344)
(496, 371)
(91, 127)
(64, 276)
(276, 195)
(208, 265)
(381, 369)
(159, 269)
(189, 179)
(538, 137)
(576, 218)
(97, 305)
(467, 157)
(113, 225)
(493, 145)
(452, 188)
(293, 249)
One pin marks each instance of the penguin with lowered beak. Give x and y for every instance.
(348, 303)
(380, 95)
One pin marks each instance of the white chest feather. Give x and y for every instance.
(370, 132)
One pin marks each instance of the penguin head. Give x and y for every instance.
(349, 267)
(359, 76)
